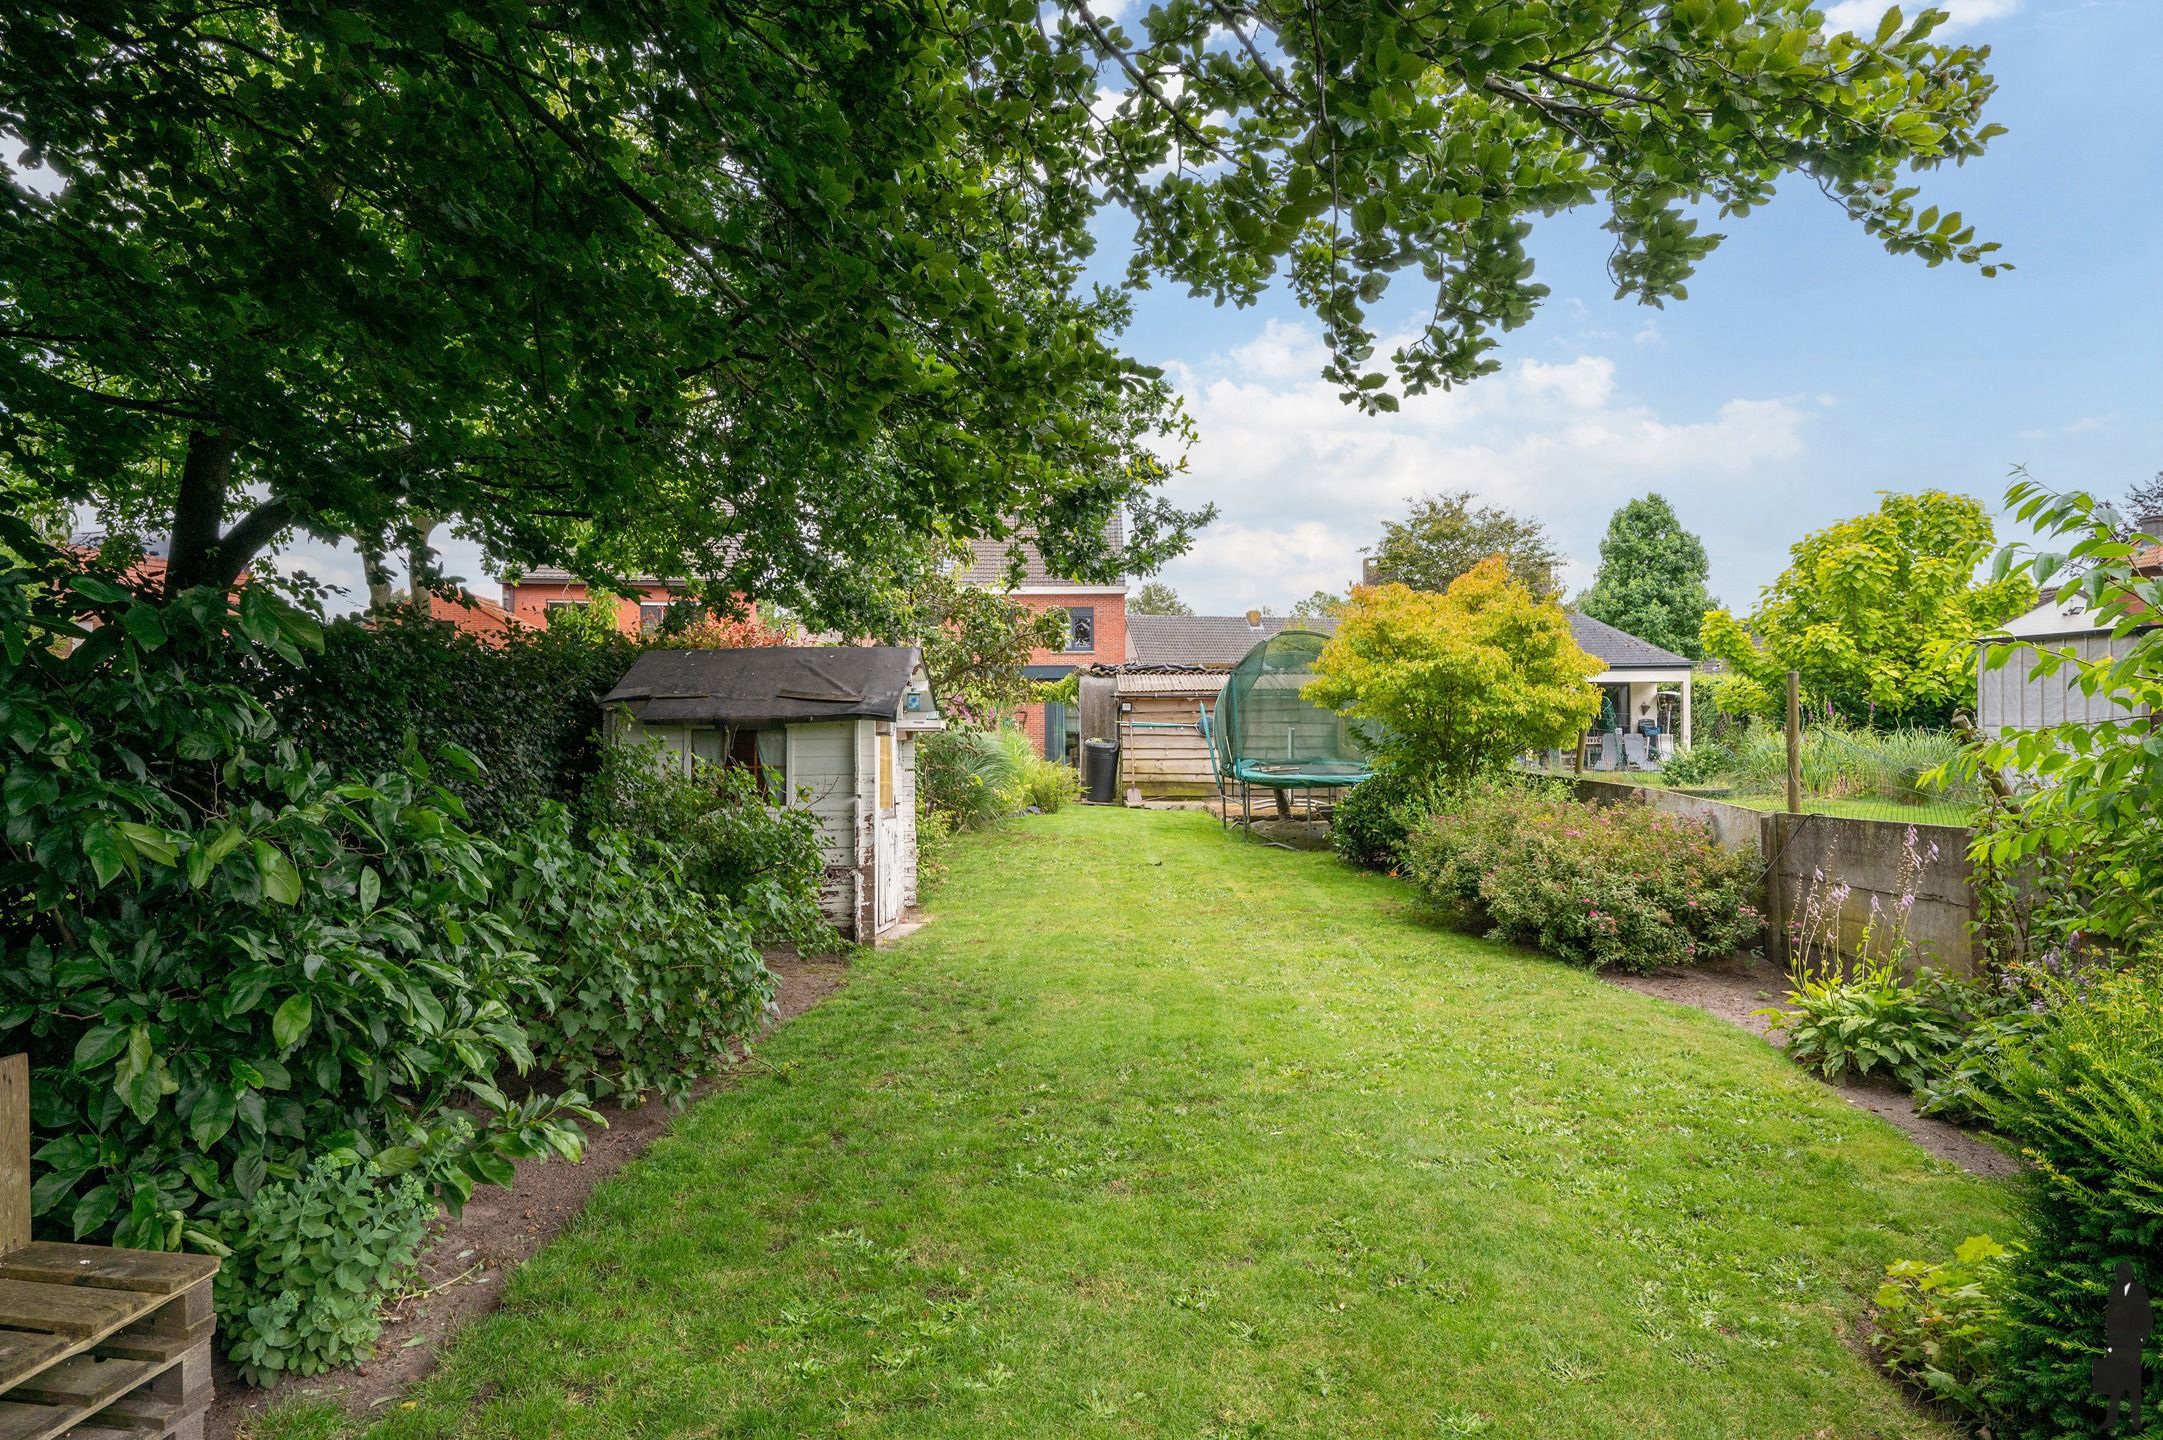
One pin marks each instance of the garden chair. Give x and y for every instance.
(1633, 752)
(1610, 753)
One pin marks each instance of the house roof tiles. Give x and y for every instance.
(1214, 641)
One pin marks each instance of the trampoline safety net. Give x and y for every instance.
(1268, 734)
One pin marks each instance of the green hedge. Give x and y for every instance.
(525, 709)
(1604, 886)
(2083, 1098)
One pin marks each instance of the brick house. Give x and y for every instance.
(545, 588)
(1096, 631)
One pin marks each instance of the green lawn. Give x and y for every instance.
(1155, 1133)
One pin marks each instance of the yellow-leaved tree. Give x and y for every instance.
(1456, 682)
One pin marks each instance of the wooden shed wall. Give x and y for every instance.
(835, 761)
(1163, 764)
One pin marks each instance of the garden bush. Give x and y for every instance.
(522, 705)
(2083, 1098)
(1939, 1326)
(645, 982)
(1619, 886)
(1049, 784)
(1375, 818)
(310, 1262)
(973, 777)
(724, 832)
(222, 959)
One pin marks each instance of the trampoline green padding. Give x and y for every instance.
(1266, 733)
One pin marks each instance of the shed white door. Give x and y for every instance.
(887, 842)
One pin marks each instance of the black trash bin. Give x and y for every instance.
(1100, 770)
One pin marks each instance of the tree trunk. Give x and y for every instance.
(199, 512)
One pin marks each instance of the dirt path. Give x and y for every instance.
(1733, 992)
(463, 1271)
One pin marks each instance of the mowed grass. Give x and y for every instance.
(1156, 1133)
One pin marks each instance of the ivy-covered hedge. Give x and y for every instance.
(522, 707)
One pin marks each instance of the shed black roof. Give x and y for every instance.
(769, 684)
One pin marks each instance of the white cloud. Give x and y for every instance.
(1862, 16)
(1303, 481)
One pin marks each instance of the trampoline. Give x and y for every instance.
(1266, 734)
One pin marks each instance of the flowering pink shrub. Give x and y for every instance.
(1616, 885)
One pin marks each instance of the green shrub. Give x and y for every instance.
(1373, 820)
(723, 832)
(217, 954)
(311, 1262)
(647, 983)
(1939, 1327)
(1619, 886)
(1864, 1017)
(1702, 764)
(1049, 784)
(973, 777)
(934, 847)
(522, 706)
(2083, 1097)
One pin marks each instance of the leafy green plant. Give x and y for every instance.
(221, 958)
(974, 777)
(521, 704)
(1939, 1326)
(1605, 886)
(722, 832)
(309, 1264)
(1863, 1017)
(1375, 818)
(646, 982)
(1701, 764)
(1049, 784)
(2083, 1098)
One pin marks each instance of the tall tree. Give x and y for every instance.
(1880, 615)
(1445, 535)
(1321, 605)
(1157, 598)
(759, 294)
(1458, 681)
(1652, 575)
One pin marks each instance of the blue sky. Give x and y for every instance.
(1807, 371)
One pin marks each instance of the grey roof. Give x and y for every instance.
(1619, 649)
(989, 558)
(770, 684)
(1220, 641)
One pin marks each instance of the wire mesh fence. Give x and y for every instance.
(1905, 775)
(1900, 775)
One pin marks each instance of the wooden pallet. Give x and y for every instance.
(95, 1343)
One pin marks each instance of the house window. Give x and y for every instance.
(886, 771)
(554, 605)
(1081, 627)
(765, 751)
(651, 618)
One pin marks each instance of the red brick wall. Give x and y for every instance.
(528, 602)
(1111, 644)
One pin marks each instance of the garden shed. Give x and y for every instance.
(839, 724)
